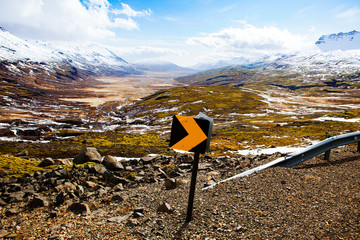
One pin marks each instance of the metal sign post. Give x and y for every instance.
(192, 135)
(192, 187)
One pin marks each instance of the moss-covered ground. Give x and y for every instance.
(16, 166)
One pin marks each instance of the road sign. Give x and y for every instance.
(190, 134)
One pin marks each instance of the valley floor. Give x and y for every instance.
(130, 87)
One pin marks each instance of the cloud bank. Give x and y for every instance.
(67, 19)
(249, 41)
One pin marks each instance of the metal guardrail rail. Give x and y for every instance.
(321, 147)
(297, 158)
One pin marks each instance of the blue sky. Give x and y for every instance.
(185, 32)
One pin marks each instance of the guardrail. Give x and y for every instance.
(310, 152)
(319, 148)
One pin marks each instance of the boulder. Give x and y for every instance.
(88, 154)
(46, 162)
(111, 163)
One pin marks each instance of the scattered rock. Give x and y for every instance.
(38, 201)
(181, 182)
(5, 132)
(170, 183)
(90, 184)
(116, 180)
(102, 192)
(97, 169)
(120, 219)
(88, 154)
(117, 198)
(4, 233)
(240, 228)
(60, 198)
(148, 159)
(11, 211)
(118, 187)
(165, 207)
(11, 235)
(132, 222)
(69, 186)
(62, 161)
(2, 203)
(185, 166)
(137, 215)
(16, 197)
(79, 208)
(3, 173)
(23, 153)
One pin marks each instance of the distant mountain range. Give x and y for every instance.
(92, 58)
(95, 59)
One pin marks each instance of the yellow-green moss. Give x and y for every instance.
(16, 167)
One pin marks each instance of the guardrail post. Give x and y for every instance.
(327, 155)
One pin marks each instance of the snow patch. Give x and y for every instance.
(337, 119)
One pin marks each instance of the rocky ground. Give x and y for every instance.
(147, 199)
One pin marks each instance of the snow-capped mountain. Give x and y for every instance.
(339, 41)
(317, 62)
(91, 57)
(14, 49)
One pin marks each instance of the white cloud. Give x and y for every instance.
(149, 54)
(130, 12)
(66, 19)
(249, 41)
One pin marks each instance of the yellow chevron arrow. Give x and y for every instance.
(195, 137)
